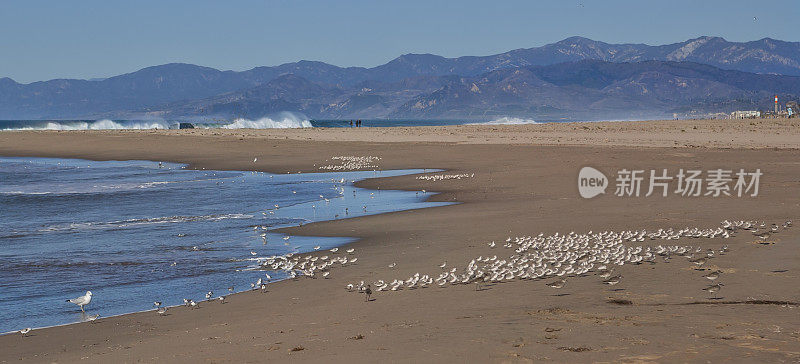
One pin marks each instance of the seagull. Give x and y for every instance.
(221, 299)
(557, 284)
(192, 304)
(209, 295)
(443, 265)
(230, 289)
(82, 300)
(25, 331)
(392, 265)
(317, 247)
(350, 251)
(157, 304)
(255, 159)
(162, 311)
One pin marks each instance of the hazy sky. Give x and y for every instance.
(40, 40)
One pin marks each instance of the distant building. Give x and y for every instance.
(745, 114)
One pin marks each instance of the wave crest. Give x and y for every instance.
(103, 124)
(280, 121)
(285, 121)
(508, 121)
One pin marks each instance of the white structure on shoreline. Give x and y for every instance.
(745, 114)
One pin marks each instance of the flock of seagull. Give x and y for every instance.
(349, 163)
(442, 177)
(557, 257)
(553, 258)
(293, 265)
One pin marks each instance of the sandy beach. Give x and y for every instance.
(524, 184)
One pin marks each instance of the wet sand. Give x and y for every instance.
(524, 184)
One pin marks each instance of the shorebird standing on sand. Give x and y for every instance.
(82, 300)
(613, 280)
(557, 284)
(699, 261)
(713, 275)
(713, 289)
(25, 331)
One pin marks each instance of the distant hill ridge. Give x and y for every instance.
(175, 90)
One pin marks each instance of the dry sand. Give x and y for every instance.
(524, 184)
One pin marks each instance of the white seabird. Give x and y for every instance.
(82, 300)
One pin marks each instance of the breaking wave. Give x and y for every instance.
(507, 121)
(104, 124)
(281, 121)
(288, 121)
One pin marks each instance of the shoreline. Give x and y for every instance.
(278, 229)
(520, 188)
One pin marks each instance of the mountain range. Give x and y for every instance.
(576, 77)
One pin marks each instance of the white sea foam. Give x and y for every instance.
(102, 124)
(281, 120)
(286, 120)
(507, 121)
(143, 221)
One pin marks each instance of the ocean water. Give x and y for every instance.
(286, 120)
(134, 232)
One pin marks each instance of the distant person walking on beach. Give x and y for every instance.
(368, 292)
(351, 123)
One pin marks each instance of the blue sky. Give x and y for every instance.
(42, 40)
